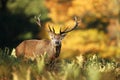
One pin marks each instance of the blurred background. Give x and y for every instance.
(99, 31)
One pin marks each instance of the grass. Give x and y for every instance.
(88, 67)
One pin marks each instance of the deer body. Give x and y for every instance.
(52, 47)
(33, 48)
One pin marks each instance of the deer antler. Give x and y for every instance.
(38, 21)
(51, 30)
(66, 30)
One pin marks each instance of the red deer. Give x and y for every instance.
(52, 47)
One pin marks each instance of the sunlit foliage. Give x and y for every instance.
(98, 16)
(89, 67)
(61, 10)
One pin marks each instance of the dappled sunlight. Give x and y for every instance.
(88, 41)
(62, 10)
(96, 16)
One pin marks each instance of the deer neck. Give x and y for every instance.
(58, 49)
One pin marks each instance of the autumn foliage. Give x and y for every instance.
(61, 10)
(99, 14)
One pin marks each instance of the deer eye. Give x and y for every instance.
(53, 37)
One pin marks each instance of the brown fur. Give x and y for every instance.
(33, 48)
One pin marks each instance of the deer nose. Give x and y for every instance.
(57, 42)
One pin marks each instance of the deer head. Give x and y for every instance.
(57, 38)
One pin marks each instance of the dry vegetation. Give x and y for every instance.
(89, 67)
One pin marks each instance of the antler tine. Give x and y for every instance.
(76, 24)
(60, 30)
(63, 31)
(49, 28)
(53, 29)
(38, 21)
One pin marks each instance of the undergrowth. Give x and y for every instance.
(88, 67)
